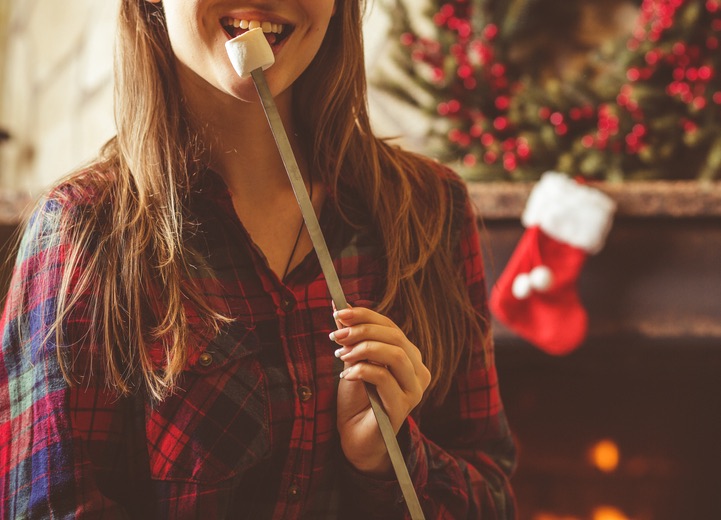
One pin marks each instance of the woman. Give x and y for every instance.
(169, 346)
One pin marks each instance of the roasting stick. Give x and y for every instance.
(250, 53)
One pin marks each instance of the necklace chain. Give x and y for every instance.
(297, 237)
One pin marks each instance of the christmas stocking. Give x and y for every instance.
(536, 295)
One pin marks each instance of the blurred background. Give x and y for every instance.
(623, 94)
(56, 81)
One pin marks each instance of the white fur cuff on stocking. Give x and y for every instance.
(570, 212)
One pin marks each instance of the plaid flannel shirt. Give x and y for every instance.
(251, 431)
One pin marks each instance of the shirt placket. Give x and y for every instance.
(297, 343)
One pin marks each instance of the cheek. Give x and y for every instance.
(186, 29)
(323, 13)
(190, 47)
(320, 30)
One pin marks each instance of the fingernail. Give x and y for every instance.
(341, 351)
(339, 334)
(346, 372)
(343, 314)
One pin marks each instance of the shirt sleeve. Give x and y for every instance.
(460, 454)
(66, 451)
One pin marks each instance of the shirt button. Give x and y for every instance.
(294, 492)
(304, 393)
(205, 359)
(287, 304)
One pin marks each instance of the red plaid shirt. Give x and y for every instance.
(250, 433)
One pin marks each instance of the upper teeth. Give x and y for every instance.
(267, 27)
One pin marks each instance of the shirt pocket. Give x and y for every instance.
(216, 425)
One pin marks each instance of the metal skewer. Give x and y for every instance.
(334, 286)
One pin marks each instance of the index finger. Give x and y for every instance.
(357, 315)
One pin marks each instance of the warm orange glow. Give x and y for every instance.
(608, 513)
(605, 456)
(551, 516)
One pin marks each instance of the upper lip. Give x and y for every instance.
(259, 16)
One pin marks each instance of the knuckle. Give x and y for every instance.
(364, 330)
(414, 397)
(398, 357)
(372, 371)
(425, 377)
(370, 348)
(360, 370)
(384, 373)
(398, 336)
(361, 349)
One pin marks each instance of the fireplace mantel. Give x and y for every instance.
(658, 277)
(506, 200)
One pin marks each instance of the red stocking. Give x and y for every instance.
(536, 295)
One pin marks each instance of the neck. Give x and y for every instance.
(242, 149)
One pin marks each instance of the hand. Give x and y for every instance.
(376, 351)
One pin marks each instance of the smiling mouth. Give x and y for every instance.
(274, 32)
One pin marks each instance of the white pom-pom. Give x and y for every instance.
(521, 287)
(250, 51)
(541, 278)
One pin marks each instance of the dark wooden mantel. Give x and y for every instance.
(503, 200)
(659, 275)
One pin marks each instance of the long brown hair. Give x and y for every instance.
(143, 180)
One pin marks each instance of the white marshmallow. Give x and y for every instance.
(250, 51)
